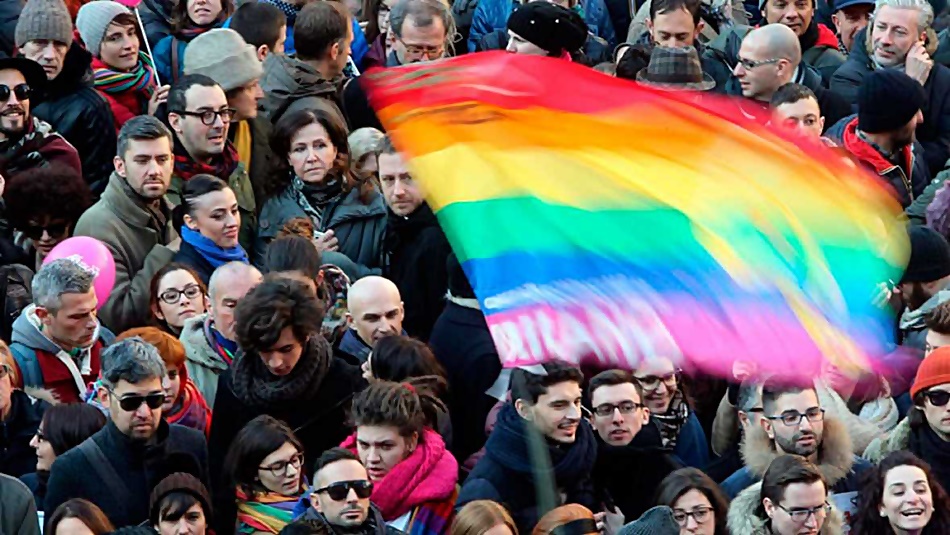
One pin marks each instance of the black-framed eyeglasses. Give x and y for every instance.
(937, 398)
(652, 382)
(341, 489)
(700, 515)
(749, 64)
(793, 418)
(430, 52)
(280, 467)
(625, 407)
(208, 116)
(173, 295)
(54, 230)
(801, 515)
(22, 92)
(131, 403)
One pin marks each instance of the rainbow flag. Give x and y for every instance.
(602, 220)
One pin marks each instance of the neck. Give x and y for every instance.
(318, 65)
(881, 140)
(940, 434)
(67, 347)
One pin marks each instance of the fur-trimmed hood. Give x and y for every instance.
(743, 521)
(897, 439)
(834, 455)
(197, 348)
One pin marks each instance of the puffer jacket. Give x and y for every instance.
(290, 84)
(491, 15)
(82, 115)
(167, 66)
(742, 519)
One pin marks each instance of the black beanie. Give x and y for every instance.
(887, 100)
(549, 26)
(929, 256)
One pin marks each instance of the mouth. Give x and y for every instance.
(12, 113)
(233, 233)
(188, 313)
(618, 434)
(912, 513)
(376, 473)
(354, 514)
(568, 428)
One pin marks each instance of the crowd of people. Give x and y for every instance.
(291, 346)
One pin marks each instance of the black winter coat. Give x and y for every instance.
(82, 115)
(188, 255)
(17, 457)
(415, 252)
(157, 18)
(9, 15)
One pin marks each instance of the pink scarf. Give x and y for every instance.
(429, 474)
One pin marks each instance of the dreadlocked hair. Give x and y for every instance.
(409, 406)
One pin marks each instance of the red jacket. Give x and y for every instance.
(57, 377)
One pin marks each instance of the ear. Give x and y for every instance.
(157, 312)
(769, 430)
(699, 28)
(174, 120)
(102, 394)
(413, 442)
(349, 319)
(821, 123)
(119, 165)
(334, 51)
(768, 506)
(319, 280)
(190, 221)
(834, 18)
(650, 26)
(646, 416)
(262, 52)
(524, 410)
(43, 315)
(314, 502)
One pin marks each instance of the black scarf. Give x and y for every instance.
(256, 386)
(401, 229)
(810, 37)
(672, 421)
(925, 444)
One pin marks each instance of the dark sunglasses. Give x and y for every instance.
(133, 402)
(55, 230)
(937, 398)
(339, 491)
(22, 92)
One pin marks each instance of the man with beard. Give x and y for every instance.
(340, 496)
(628, 446)
(819, 45)
(133, 219)
(925, 284)
(26, 141)
(902, 40)
(117, 467)
(794, 423)
(199, 115)
(550, 406)
(375, 310)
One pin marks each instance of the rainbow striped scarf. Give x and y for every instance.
(139, 79)
(268, 512)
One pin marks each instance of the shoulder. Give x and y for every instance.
(741, 518)
(14, 491)
(478, 488)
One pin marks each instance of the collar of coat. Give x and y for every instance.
(742, 520)
(834, 455)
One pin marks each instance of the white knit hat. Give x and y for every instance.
(94, 18)
(222, 55)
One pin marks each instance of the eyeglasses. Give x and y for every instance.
(22, 92)
(937, 398)
(429, 51)
(340, 490)
(652, 382)
(40, 437)
(749, 64)
(800, 516)
(700, 515)
(173, 295)
(280, 467)
(35, 232)
(625, 407)
(793, 418)
(4, 371)
(133, 402)
(208, 116)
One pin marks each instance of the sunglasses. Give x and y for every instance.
(22, 92)
(937, 398)
(339, 491)
(54, 230)
(133, 402)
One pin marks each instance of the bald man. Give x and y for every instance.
(209, 338)
(375, 311)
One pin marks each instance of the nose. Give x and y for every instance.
(574, 412)
(351, 496)
(292, 470)
(45, 236)
(49, 51)
(805, 424)
(143, 411)
(691, 524)
(399, 188)
(34, 442)
(273, 362)
(812, 521)
(182, 527)
(739, 70)
(373, 456)
(511, 47)
(617, 416)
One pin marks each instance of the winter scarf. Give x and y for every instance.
(222, 166)
(192, 30)
(429, 474)
(874, 420)
(222, 346)
(256, 386)
(925, 444)
(141, 79)
(673, 420)
(313, 199)
(190, 409)
(210, 251)
(25, 152)
(267, 513)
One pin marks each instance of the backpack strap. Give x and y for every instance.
(25, 357)
(175, 60)
(103, 468)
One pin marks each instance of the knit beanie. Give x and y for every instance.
(656, 521)
(551, 27)
(93, 19)
(929, 255)
(887, 100)
(934, 370)
(44, 20)
(222, 55)
(179, 482)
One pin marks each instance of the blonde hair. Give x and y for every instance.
(561, 515)
(480, 516)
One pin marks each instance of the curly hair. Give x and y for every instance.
(410, 406)
(56, 191)
(868, 519)
(272, 306)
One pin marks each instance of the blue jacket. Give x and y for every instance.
(163, 59)
(491, 15)
(692, 448)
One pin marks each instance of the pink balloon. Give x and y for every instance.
(92, 255)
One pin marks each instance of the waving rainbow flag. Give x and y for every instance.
(599, 219)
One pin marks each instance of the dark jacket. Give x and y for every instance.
(82, 115)
(491, 15)
(188, 255)
(820, 50)
(17, 510)
(506, 473)
(934, 132)
(17, 457)
(290, 84)
(139, 465)
(373, 525)
(415, 252)
(157, 18)
(40, 145)
(263, 160)
(9, 15)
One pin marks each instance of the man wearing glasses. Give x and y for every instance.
(422, 29)
(340, 496)
(117, 467)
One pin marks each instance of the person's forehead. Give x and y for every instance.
(11, 76)
(800, 108)
(343, 470)
(615, 394)
(675, 16)
(202, 96)
(236, 286)
(434, 30)
(897, 16)
(78, 300)
(562, 390)
(143, 387)
(904, 474)
(179, 277)
(752, 48)
(162, 145)
(377, 433)
(656, 366)
(802, 400)
(804, 494)
(391, 163)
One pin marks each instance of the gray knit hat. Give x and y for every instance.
(656, 521)
(44, 20)
(222, 55)
(93, 19)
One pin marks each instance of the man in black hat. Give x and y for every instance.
(925, 284)
(544, 29)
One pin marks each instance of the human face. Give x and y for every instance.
(402, 193)
(140, 423)
(500, 529)
(226, 298)
(340, 54)
(894, 33)
(557, 413)
(520, 45)
(938, 417)
(658, 380)
(14, 112)
(203, 12)
(193, 522)
(178, 285)
(349, 512)
(381, 447)
(796, 14)
(839, 380)
(73, 526)
(759, 72)
(51, 55)
(803, 439)
(120, 47)
(382, 16)
(674, 29)
(377, 319)
(850, 20)
(172, 386)
(46, 233)
(279, 46)
(202, 141)
(907, 501)
(147, 166)
(420, 43)
(312, 153)
(908, 133)
(245, 100)
(217, 218)
(694, 514)
(913, 294)
(44, 450)
(798, 496)
(618, 428)
(6, 390)
(802, 118)
(935, 340)
(74, 324)
(283, 356)
(280, 471)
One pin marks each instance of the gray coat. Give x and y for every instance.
(202, 362)
(17, 509)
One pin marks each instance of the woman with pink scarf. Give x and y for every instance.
(414, 477)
